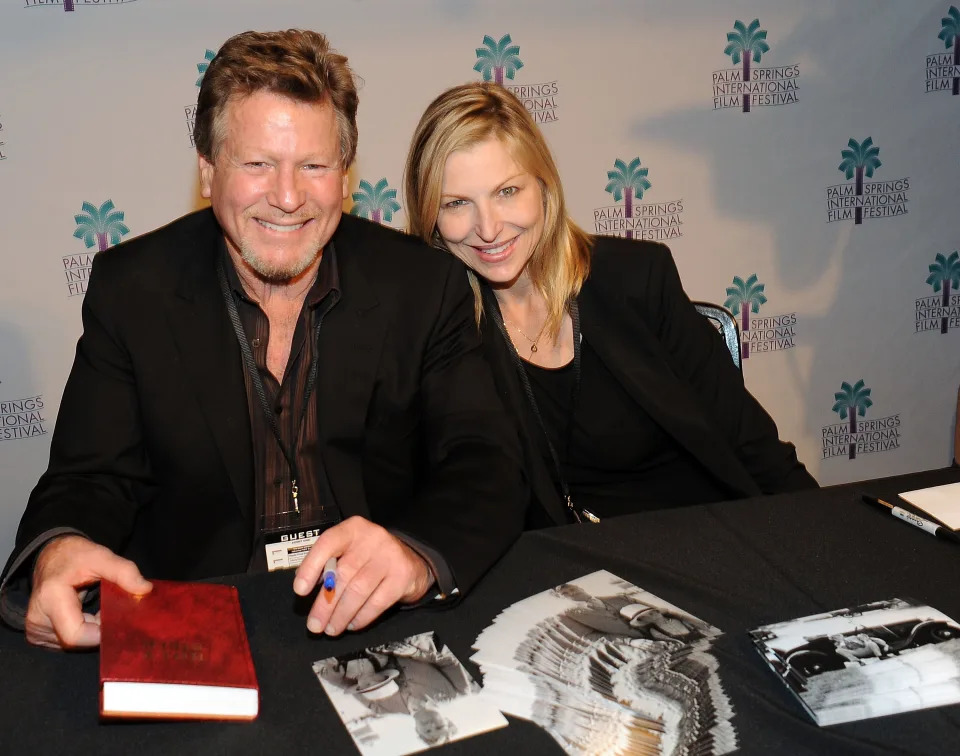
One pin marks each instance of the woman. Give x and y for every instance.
(625, 397)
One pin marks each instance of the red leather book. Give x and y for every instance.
(178, 652)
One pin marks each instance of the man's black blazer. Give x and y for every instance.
(152, 452)
(672, 362)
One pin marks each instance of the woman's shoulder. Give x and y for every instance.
(615, 260)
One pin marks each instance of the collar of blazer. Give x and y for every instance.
(351, 339)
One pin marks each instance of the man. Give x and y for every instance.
(266, 379)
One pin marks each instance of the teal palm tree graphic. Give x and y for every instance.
(944, 273)
(950, 34)
(859, 158)
(495, 59)
(852, 401)
(202, 67)
(626, 181)
(375, 202)
(102, 226)
(743, 298)
(746, 42)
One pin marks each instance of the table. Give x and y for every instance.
(735, 564)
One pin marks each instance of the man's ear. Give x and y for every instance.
(346, 183)
(206, 176)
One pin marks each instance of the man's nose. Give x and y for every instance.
(288, 193)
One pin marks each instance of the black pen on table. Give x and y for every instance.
(929, 526)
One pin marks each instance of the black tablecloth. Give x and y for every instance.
(736, 565)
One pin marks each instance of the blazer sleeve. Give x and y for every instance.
(471, 503)
(98, 471)
(698, 354)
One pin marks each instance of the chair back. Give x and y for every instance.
(724, 321)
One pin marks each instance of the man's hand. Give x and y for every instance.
(375, 570)
(64, 567)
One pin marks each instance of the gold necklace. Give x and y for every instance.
(533, 342)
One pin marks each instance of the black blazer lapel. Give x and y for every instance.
(351, 343)
(539, 476)
(630, 351)
(211, 361)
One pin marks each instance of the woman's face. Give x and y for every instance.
(491, 212)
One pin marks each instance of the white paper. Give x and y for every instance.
(942, 502)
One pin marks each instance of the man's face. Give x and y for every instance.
(277, 186)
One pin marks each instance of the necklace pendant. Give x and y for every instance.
(533, 347)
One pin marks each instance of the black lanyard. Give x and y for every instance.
(493, 307)
(254, 373)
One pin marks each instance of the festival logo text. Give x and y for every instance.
(375, 201)
(770, 333)
(943, 69)
(942, 311)
(22, 418)
(98, 227)
(655, 221)
(3, 144)
(497, 61)
(861, 199)
(748, 86)
(856, 435)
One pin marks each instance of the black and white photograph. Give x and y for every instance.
(866, 661)
(405, 696)
(605, 666)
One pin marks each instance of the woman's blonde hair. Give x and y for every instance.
(461, 118)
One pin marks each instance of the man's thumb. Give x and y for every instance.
(125, 574)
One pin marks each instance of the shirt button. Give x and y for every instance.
(278, 410)
(277, 481)
(255, 343)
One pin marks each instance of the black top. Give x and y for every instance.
(617, 459)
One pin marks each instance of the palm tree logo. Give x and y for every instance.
(944, 273)
(202, 67)
(743, 298)
(495, 59)
(746, 42)
(852, 401)
(101, 226)
(625, 182)
(950, 34)
(859, 158)
(375, 202)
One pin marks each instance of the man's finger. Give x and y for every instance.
(354, 595)
(333, 542)
(326, 602)
(62, 607)
(376, 604)
(123, 572)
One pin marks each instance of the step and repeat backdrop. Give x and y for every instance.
(800, 158)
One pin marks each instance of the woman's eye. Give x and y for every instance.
(508, 191)
(453, 204)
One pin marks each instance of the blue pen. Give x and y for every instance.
(330, 574)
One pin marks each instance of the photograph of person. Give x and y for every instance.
(625, 398)
(404, 696)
